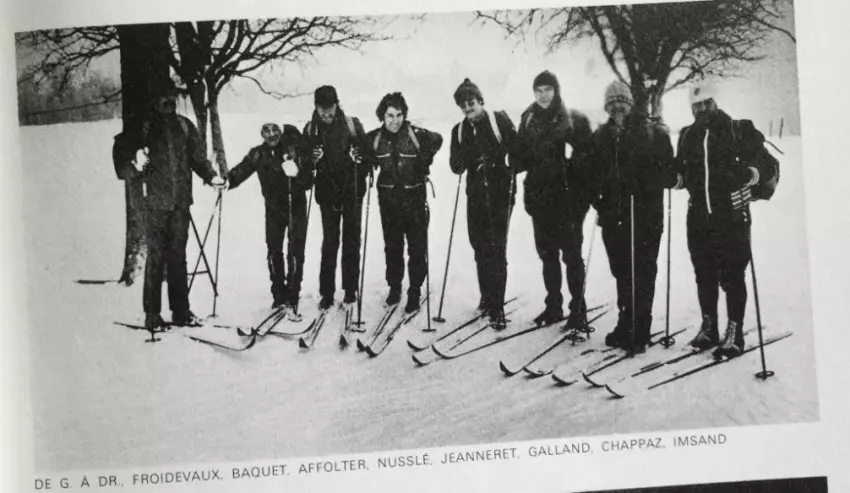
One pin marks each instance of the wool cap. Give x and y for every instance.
(325, 97)
(702, 91)
(618, 92)
(466, 90)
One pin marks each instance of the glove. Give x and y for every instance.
(568, 151)
(318, 154)
(354, 154)
(289, 167)
(142, 159)
(219, 183)
(740, 198)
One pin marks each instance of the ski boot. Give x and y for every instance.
(350, 297)
(707, 335)
(326, 303)
(497, 318)
(154, 321)
(620, 336)
(186, 319)
(733, 342)
(394, 297)
(412, 301)
(550, 315)
(483, 308)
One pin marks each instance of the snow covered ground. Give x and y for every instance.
(102, 398)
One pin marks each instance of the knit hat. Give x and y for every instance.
(547, 78)
(467, 90)
(702, 91)
(618, 92)
(325, 97)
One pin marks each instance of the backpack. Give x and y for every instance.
(313, 131)
(766, 187)
(124, 148)
(413, 138)
(492, 118)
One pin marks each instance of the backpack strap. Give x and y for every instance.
(377, 141)
(352, 130)
(495, 126)
(413, 137)
(735, 126)
(460, 132)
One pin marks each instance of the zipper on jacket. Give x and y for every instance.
(705, 162)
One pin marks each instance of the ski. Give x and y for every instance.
(619, 391)
(271, 321)
(372, 350)
(421, 347)
(379, 328)
(423, 358)
(247, 341)
(313, 330)
(568, 376)
(686, 353)
(560, 340)
(588, 373)
(97, 281)
(348, 308)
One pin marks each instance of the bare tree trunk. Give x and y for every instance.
(217, 137)
(144, 66)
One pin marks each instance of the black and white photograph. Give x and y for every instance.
(263, 238)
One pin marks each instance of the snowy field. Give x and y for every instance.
(102, 398)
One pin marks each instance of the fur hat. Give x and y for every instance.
(547, 78)
(702, 91)
(618, 92)
(467, 90)
(325, 97)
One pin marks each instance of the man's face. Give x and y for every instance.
(704, 108)
(271, 134)
(328, 114)
(393, 118)
(544, 95)
(618, 111)
(472, 108)
(166, 105)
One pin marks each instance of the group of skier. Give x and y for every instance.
(621, 169)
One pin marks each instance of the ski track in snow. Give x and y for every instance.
(102, 398)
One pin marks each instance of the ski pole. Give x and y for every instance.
(439, 318)
(428, 268)
(632, 261)
(764, 374)
(202, 245)
(668, 340)
(217, 250)
(203, 255)
(359, 321)
(587, 330)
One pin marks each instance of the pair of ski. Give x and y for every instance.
(631, 385)
(479, 325)
(539, 371)
(381, 337)
(245, 342)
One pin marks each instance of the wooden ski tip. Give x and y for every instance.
(437, 351)
(507, 371)
(303, 343)
(343, 342)
(560, 382)
(536, 373)
(614, 393)
(419, 361)
(360, 345)
(589, 380)
(371, 352)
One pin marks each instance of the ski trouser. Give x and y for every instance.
(489, 242)
(167, 234)
(346, 220)
(720, 253)
(404, 217)
(560, 235)
(286, 281)
(616, 234)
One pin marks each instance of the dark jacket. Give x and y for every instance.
(175, 150)
(639, 162)
(337, 176)
(710, 182)
(476, 150)
(554, 183)
(401, 162)
(267, 163)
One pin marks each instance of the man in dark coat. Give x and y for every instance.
(285, 176)
(553, 141)
(335, 142)
(480, 147)
(632, 163)
(172, 149)
(721, 161)
(404, 154)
